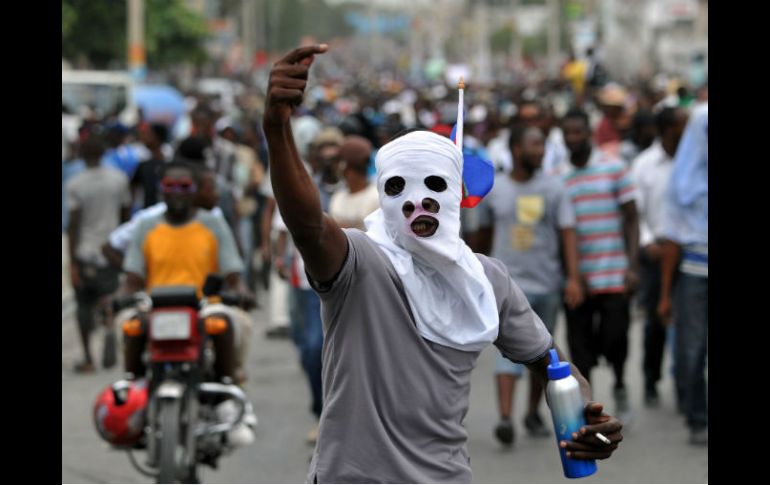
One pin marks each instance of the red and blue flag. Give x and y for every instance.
(478, 175)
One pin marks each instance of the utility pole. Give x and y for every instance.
(482, 62)
(248, 34)
(554, 36)
(517, 47)
(136, 55)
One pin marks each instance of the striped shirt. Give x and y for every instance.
(597, 191)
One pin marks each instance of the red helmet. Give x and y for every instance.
(119, 412)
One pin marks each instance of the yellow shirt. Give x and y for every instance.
(167, 255)
(575, 72)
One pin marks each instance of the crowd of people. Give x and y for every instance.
(599, 203)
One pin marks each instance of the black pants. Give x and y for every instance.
(96, 283)
(599, 327)
(654, 331)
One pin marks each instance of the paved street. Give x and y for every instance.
(655, 449)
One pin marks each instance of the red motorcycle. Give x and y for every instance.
(184, 413)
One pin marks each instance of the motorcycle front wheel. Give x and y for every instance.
(168, 418)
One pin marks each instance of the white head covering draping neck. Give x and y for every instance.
(450, 296)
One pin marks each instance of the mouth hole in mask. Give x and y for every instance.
(394, 186)
(435, 183)
(424, 226)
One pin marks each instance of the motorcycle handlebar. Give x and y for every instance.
(122, 302)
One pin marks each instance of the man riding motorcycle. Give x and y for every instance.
(205, 199)
(182, 246)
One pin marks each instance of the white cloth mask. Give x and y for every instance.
(419, 180)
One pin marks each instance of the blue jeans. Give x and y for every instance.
(246, 238)
(307, 333)
(691, 318)
(547, 308)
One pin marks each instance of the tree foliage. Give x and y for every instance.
(97, 30)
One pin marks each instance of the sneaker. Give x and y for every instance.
(622, 408)
(312, 435)
(279, 332)
(85, 368)
(504, 432)
(699, 437)
(535, 426)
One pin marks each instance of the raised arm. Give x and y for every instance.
(321, 242)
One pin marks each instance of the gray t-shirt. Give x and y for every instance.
(394, 403)
(527, 218)
(99, 193)
(182, 255)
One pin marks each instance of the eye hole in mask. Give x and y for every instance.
(394, 186)
(436, 184)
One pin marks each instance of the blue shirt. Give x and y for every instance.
(124, 158)
(686, 206)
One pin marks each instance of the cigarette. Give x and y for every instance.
(603, 439)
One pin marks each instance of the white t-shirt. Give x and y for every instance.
(298, 276)
(350, 210)
(651, 172)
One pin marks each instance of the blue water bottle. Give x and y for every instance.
(567, 409)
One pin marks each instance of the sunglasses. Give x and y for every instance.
(183, 185)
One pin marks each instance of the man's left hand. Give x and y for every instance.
(585, 445)
(631, 281)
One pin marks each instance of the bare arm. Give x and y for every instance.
(279, 255)
(670, 260)
(573, 291)
(73, 232)
(235, 284)
(321, 242)
(267, 217)
(631, 236)
(134, 283)
(114, 256)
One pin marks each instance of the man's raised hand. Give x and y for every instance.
(288, 79)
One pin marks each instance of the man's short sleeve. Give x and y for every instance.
(228, 258)
(340, 283)
(134, 261)
(73, 198)
(565, 211)
(522, 337)
(624, 186)
(121, 237)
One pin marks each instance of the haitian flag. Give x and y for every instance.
(478, 175)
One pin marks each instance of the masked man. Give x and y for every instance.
(407, 308)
